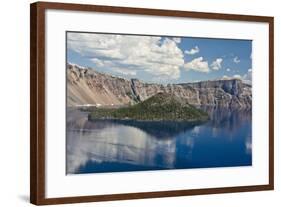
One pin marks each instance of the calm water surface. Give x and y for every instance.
(116, 146)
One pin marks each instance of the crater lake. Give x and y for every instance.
(100, 146)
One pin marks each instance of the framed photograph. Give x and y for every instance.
(130, 103)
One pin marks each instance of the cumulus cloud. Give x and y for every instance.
(248, 76)
(98, 62)
(192, 51)
(197, 64)
(121, 53)
(177, 39)
(216, 64)
(228, 69)
(125, 71)
(236, 60)
(225, 77)
(237, 76)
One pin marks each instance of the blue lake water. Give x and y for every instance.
(117, 146)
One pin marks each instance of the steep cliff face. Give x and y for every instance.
(226, 93)
(87, 86)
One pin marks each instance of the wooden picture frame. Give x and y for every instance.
(38, 98)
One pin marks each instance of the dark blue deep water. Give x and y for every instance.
(117, 146)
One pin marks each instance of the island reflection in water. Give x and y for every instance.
(116, 146)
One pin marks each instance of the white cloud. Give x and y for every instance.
(246, 78)
(225, 77)
(228, 69)
(197, 64)
(125, 71)
(237, 76)
(236, 60)
(121, 53)
(216, 64)
(98, 62)
(192, 51)
(177, 39)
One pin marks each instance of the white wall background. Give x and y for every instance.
(14, 102)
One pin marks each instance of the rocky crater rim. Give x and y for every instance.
(88, 71)
(87, 86)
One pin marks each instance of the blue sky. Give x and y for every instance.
(162, 59)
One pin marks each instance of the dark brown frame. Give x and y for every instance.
(37, 102)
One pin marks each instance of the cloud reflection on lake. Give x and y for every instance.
(112, 146)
